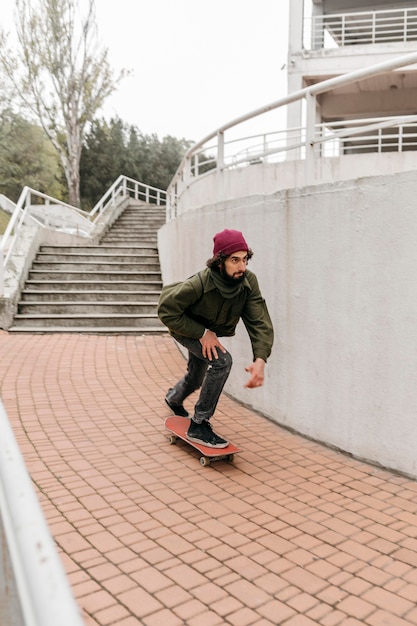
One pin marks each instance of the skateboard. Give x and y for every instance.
(178, 427)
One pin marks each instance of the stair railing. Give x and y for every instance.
(128, 187)
(36, 207)
(39, 208)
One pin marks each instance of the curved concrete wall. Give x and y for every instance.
(271, 177)
(336, 264)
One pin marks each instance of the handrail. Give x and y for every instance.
(34, 590)
(128, 186)
(185, 174)
(27, 208)
(58, 215)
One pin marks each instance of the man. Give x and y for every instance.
(205, 307)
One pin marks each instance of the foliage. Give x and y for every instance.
(27, 158)
(4, 220)
(59, 73)
(114, 148)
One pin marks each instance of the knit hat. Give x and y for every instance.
(229, 241)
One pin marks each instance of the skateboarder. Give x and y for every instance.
(205, 307)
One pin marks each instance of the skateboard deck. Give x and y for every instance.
(178, 427)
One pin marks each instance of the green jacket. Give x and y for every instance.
(189, 307)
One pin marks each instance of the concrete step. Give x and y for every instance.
(149, 226)
(94, 266)
(75, 320)
(128, 237)
(138, 231)
(85, 330)
(125, 224)
(41, 296)
(144, 250)
(93, 276)
(96, 257)
(131, 244)
(91, 285)
(71, 307)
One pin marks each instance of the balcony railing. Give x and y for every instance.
(362, 28)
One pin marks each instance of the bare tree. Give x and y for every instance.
(59, 73)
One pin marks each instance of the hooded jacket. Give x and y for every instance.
(205, 302)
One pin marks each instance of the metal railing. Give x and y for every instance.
(47, 212)
(222, 154)
(128, 187)
(362, 28)
(381, 134)
(34, 590)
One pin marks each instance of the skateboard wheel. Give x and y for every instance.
(204, 460)
(230, 457)
(172, 439)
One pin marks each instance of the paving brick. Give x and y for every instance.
(147, 536)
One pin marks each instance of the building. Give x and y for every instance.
(328, 38)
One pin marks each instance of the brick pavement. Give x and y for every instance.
(291, 533)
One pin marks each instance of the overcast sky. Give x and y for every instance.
(195, 65)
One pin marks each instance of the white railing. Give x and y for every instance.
(380, 134)
(34, 590)
(124, 187)
(362, 28)
(45, 211)
(215, 152)
(51, 213)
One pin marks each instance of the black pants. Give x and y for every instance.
(201, 372)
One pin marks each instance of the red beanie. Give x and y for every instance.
(229, 241)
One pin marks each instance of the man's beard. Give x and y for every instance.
(232, 280)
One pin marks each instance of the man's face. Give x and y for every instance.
(234, 266)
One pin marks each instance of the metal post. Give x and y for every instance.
(310, 130)
(220, 166)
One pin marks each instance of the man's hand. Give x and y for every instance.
(210, 344)
(256, 369)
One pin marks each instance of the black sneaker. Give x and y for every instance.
(203, 433)
(177, 409)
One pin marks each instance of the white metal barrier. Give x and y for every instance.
(51, 213)
(47, 212)
(362, 28)
(124, 187)
(34, 590)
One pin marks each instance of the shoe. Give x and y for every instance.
(177, 409)
(203, 433)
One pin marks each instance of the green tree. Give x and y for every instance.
(60, 74)
(114, 148)
(102, 159)
(27, 158)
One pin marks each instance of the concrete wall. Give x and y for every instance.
(268, 178)
(336, 264)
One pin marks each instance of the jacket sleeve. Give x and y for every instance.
(258, 323)
(172, 309)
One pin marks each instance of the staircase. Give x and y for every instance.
(111, 288)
